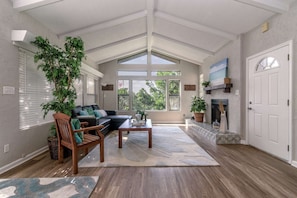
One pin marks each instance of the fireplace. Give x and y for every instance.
(215, 112)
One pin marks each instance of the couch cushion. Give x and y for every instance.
(83, 113)
(102, 112)
(89, 109)
(75, 124)
(97, 113)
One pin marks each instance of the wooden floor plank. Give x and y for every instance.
(243, 172)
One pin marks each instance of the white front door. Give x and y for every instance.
(268, 101)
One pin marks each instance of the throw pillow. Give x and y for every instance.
(97, 114)
(90, 111)
(83, 112)
(75, 124)
(103, 113)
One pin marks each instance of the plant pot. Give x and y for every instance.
(53, 148)
(199, 117)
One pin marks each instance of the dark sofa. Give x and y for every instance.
(111, 121)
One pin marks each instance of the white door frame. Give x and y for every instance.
(290, 44)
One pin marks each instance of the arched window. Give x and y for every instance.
(267, 63)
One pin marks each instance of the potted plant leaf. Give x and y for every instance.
(206, 83)
(61, 68)
(198, 107)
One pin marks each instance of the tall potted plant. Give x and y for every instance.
(61, 68)
(198, 107)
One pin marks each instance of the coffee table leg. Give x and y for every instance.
(120, 138)
(150, 138)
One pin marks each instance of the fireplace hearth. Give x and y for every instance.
(215, 111)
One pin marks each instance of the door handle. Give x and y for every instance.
(250, 108)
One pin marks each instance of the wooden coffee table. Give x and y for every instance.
(127, 126)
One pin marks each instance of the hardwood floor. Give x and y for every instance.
(243, 172)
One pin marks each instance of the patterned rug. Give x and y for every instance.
(73, 187)
(171, 147)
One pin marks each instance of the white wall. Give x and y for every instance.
(21, 143)
(232, 51)
(190, 75)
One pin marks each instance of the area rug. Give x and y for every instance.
(73, 187)
(170, 147)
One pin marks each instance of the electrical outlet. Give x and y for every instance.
(6, 148)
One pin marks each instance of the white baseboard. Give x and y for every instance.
(169, 122)
(22, 160)
(243, 142)
(294, 163)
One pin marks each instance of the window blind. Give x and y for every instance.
(34, 90)
(78, 84)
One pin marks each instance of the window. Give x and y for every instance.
(33, 91)
(138, 59)
(267, 63)
(160, 59)
(146, 89)
(78, 84)
(123, 95)
(132, 73)
(142, 59)
(90, 85)
(166, 73)
(149, 95)
(201, 88)
(174, 95)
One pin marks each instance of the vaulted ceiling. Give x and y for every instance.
(191, 30)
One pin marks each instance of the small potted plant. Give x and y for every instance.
(206, 83)
(198, 107)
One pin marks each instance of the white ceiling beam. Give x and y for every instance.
(178, 56)
(91, 70)
(104, 25)
(23, 5)
(195, 26)
(113, 44)
(149, 23)
(183, 44)
(277, 6)
(118, 56)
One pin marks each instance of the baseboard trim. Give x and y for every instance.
(294, 163)
(243, 142)
(168, 122)
(23, 160)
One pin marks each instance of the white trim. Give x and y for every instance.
(23, 160)
(290, 45)
(91, 70)
(244, 142)
(23, 5)
(294, 163)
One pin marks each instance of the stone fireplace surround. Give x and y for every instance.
(206, 129)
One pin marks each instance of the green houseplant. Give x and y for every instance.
(206, 83)
(198, 107)
(61, 68)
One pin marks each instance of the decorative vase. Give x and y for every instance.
(138, 117)
(223, 124)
